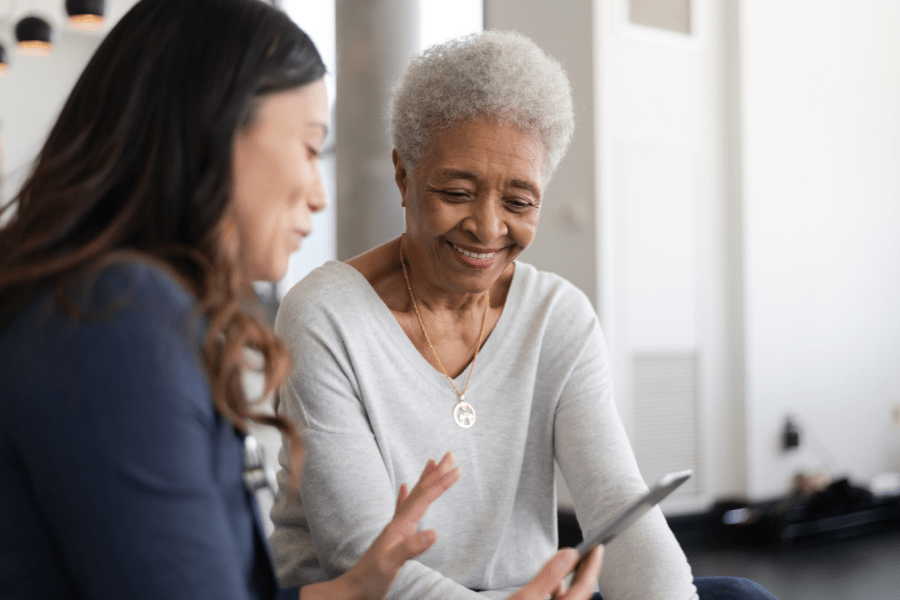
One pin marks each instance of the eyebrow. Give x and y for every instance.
(459, 174)
(527, 186)
(469, 175)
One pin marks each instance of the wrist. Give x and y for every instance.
(335, 589)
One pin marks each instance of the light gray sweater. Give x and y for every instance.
(372, 410)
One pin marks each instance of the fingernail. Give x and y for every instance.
(427, 537)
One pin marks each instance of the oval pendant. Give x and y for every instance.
(464, 415)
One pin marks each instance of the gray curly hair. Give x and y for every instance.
(499, 75)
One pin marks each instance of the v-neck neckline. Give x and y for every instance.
(405, 345)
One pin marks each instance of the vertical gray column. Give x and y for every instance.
(375, 40)
(567, 240)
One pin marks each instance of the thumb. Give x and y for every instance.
(413, 545)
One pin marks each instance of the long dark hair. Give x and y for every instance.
(139, 161)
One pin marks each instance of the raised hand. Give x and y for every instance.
(371, 577)
(551, 580)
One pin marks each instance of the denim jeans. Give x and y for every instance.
(726, 588)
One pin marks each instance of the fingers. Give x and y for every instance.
(585, 576)
(411, 546)
(434, 482)
(549, 578)
(403, 495)
(429, 467)
(399, 541)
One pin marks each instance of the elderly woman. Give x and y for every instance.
(441, 339)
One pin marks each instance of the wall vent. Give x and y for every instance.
(670, 15)
(666, 427)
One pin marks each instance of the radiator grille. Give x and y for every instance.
(666, 434)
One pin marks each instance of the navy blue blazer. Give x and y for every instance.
(118, 478)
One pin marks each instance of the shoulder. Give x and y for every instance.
(137, 334)
(134, 284)
(551, 294)
(549, 308)
(122, 311)
(334, 289)
(135, 300)
(107, 297)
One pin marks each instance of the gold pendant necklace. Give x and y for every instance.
(463, 412)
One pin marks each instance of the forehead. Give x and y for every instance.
(304, 106)
(485, 149)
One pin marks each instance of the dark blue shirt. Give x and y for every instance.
(118, 478)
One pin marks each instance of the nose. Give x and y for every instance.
(487, 220)
(316, 198)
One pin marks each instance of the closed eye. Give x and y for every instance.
(454, 196)
(519, 205)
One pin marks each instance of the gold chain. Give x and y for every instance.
(462, 394)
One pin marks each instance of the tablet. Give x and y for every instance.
(662, 488)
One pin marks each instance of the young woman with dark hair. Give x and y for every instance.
(183, 166)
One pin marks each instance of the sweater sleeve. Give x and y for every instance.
(121, 448)
(595, 457)
(346, 496)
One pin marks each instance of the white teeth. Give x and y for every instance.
(472, 254)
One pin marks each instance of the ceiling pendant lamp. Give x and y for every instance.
(35, 36)
(85, 15)
(4, 61)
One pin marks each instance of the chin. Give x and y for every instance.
(276, 275)
(270, 274)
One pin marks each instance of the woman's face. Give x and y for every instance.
(277, 183)
(472, 203)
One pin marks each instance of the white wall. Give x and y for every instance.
(634, 214)
(747, 203)
(821, 146)
(664, 201)
(31, 95)
(34, 89)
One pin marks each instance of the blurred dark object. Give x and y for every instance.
(569, 530)
(807, 484)
(791, 435)
(35, 36)
(838, 511)
(86, 15)
(837, 498)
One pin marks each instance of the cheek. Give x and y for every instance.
(258, 239)
(438, 217)
(269, 250)
(525, 228)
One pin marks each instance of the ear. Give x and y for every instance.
(400, 176)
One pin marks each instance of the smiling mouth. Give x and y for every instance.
(474, 255)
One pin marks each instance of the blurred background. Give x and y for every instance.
(731, 205)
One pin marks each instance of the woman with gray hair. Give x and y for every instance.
(441, 340)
